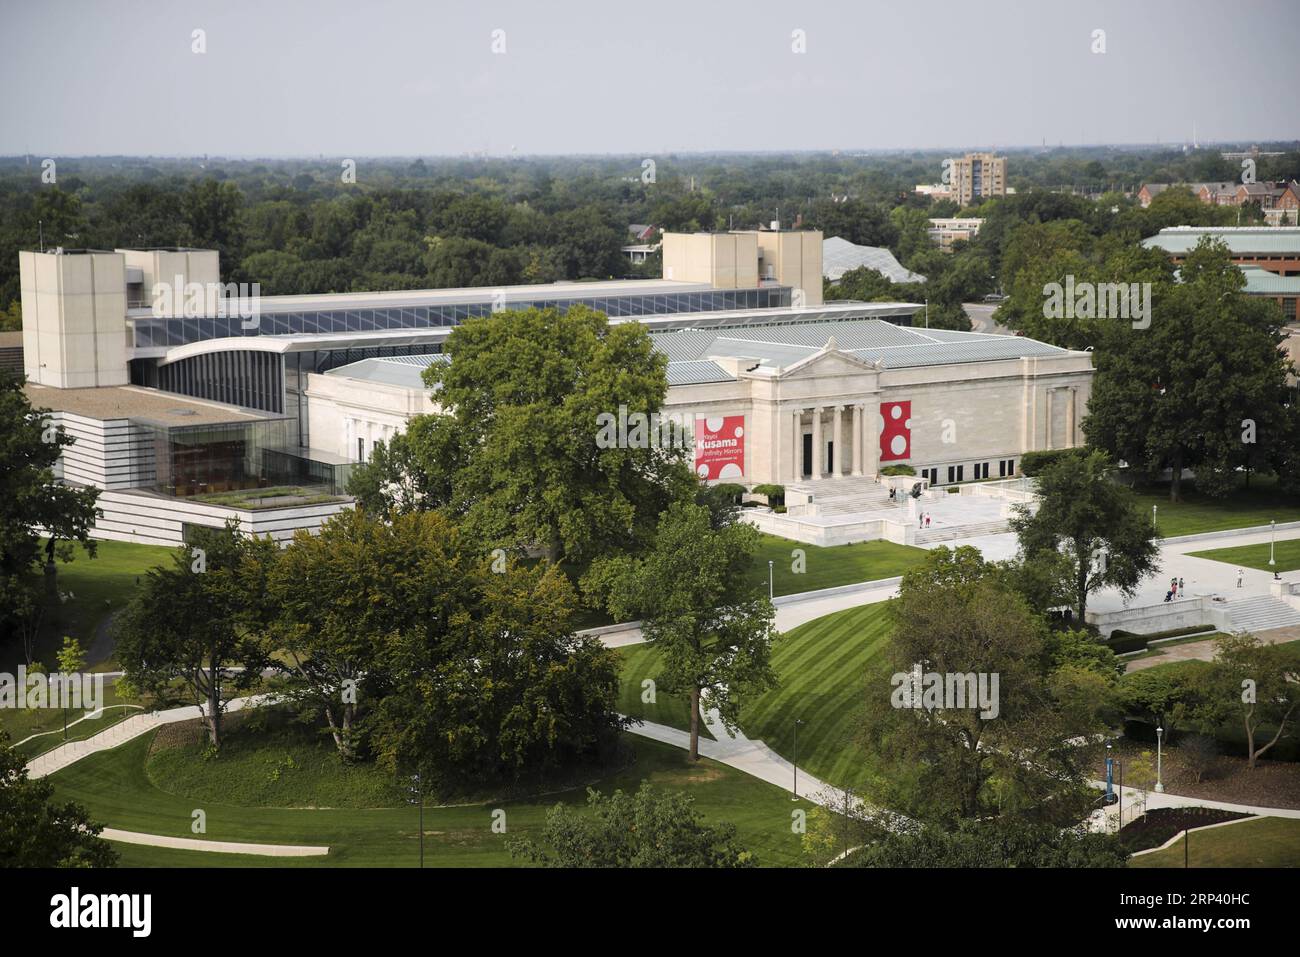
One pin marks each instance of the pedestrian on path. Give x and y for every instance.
(1180, 583)
(927, 519)
(1240, 575)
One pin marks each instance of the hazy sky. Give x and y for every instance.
(405, 77)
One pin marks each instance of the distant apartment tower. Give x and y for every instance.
(977, 176)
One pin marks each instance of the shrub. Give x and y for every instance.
(1032, 463)
(1200, 753)
(898, 470)
(775, 493)
(729, 492)
(778, 508)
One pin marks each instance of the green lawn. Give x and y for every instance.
(820, 665)
(641, 662)
(1243, 508)
(1263, 842)
(836, 565)
(1286, 553)
(119, 792)
(98, 586)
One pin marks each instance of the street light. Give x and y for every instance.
(771, 591)
(417, 790)
(797, 722)
(1160, 759)
(1272, 533)
(1155, 515)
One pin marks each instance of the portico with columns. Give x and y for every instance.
(818, 418)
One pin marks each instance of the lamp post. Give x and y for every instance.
(1155, 515)
(1160, 755)
(797, 722)
(771, 591)
(1272, 534)
(417, 791)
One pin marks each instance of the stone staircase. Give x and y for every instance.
(953, 532)
(844, 496)
(1260, 613)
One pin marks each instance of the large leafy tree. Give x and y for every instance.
(31, 498)
(1097, 524)
(516, 454)
(650, 828)
(1204, 388)
(35, 831)
(956, 615)
(700, 608)
(192, 623)
(1256, 686)
(477, 672)
(328, 597)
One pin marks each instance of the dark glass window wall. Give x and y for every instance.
(154, 333)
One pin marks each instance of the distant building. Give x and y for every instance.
(945, 232)
(1285, 290)
(840, 256)
(977, 176)
(1267, 196)
(935, 191)
(1274, 248)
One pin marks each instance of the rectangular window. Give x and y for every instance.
(361, 449)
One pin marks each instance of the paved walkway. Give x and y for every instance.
(216, 847)
(65, 754)
(752, 757)
(1204, 650)
(1155, 800)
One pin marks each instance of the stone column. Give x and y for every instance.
(837, 435)
(857, 439)
(1071, 396)
(819, 454)
(796, 460)
(871, 437)
(1047, 438)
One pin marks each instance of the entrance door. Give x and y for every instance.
(830, 457)
(807, 455)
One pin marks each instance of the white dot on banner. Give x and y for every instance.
(895, 411)
(898, 445)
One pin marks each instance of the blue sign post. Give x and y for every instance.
(1110, 780)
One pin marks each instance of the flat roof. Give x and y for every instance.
(435, 335)
(1272, 240)
(472, 294)
(694, 354)
(134, 402)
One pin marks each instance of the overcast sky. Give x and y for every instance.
(410, 77)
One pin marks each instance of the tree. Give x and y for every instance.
(650, 828)
(1256, 683)
(31, 497)
(1168, 698)
(34, 832)
(1000, 748)
(211, 211)
(72, 659)
(998, 842)
(712, 624)
(1097, 523)
(477, 674)
(327, 594)
(1204, 388)
(524, 393)
(190, 623)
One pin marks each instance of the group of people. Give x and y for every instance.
(1175, 586)
(923, 520)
